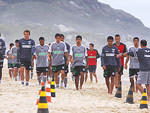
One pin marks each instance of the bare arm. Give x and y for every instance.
(66, 54)
(126, 63)
(50, 58)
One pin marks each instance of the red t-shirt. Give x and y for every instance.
(122, 49)
(92, 57)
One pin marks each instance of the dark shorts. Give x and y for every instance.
(110, 71)
(41, 69)
(133, 72)
(66, 69)
(16, 65)
(26, 64)
(10, 66)
(77, 69)
(92, 68)
(121, 70)
(1, 64)
(58, 68)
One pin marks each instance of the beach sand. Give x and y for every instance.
(94, 98)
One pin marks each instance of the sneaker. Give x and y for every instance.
(27, 84)
(22, 83)
(15, 79)
(57, 86)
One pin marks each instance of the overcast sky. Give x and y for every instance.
(138, 8)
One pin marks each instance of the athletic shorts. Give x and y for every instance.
(26, 64)
(58, 68)
(10, 66)
(121, 70)
(110, 71)
(1, 64)
(16, 65)
(133, 72)
(92, 68)
(144, 77)
(78, 69)
(41, 69)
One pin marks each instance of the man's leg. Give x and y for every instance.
(136, 77)
(81, 79)
(62, 77)
(94, 74)
(77, 82)
(119, 78)
(22, 74)
(107, 84)
(116, 80)
(27, 77)
(139, 86)
(112, 85)
(39, 78)
(0, 74)
(15, 73)
(91, 76)
(86, 76)
(65, 80)
(44, 77)
(56, 79)
(148, 92)
(132, 82)
(10, 73)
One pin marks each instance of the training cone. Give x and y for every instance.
(37, 102)
(130, 95)
(43, 106)
(53, 88)
(48, 92)
(144, 100)
(119, 91)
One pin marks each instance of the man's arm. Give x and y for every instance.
(126, 63)
(102, 59)
(18, 51)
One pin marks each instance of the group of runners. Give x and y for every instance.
(53, 60)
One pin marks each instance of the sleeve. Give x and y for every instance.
(71, 51)
(11, 50)
(86, 52)
(65, 49)
(102, 57)
(33, 47)
(35, 53)
(50, 48)
(68, 48)
(97, 55)
(131, 53)
(118, 59)
(125, 49)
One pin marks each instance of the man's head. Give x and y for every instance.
(78, 39)
(11, 45)
(117, 39)
(91, 46)
(26, 34)
(62, 37)
(136, 41)
(57, 37)
(41, 40)
(143, 43)
(17, 43)
(110, 40)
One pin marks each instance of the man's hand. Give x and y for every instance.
(32, 64)
(126, 66)
(104, 67)
(87, 66)
(119, 69)
(67, 62)
(119, 55)
(71, 61)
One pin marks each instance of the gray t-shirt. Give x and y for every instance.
(10, 60)
(79, 55)
(13, 52)
(41, 52)
(134, 62)
(57, 51)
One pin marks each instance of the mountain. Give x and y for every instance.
(80, 16)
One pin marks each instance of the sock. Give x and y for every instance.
(65, 81)
(15, 78)
(31, 75)
(39, 79)
(27, 83)
(22, 82)
(57, 85)
(62, 83)
(44, 79)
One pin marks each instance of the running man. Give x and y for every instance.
(25, 51)
(93, 55)
(41, 56)
(110, 63)
(134, 63)
(62, 38)
(13, 55)
(78, 58)
(2, 53)
(122, 49)
(10, 60)
(143, 55)
(56, 54)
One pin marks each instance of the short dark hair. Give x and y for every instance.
(27, 31)
(78, 37)
(136, 38)
(117, 35)
(41, 38)
(62, 35)
(17, 41)
(11, 44)
(57, 35)
(91, 44)
(110, 38)
(143, 42)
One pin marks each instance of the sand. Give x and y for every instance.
(94, 98)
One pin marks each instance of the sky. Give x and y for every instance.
(138, 8)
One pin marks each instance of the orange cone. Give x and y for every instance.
(37, 102)
(48, 92)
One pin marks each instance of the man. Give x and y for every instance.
(134, 63)
(93, 55)
(122, 49)
(66, 66)
(78, 58)
(143, 55)
(26, 49)
(10, 60)
(56, 54)
(41, 56)
(110, 63)
(13, 55)
(2, 53)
